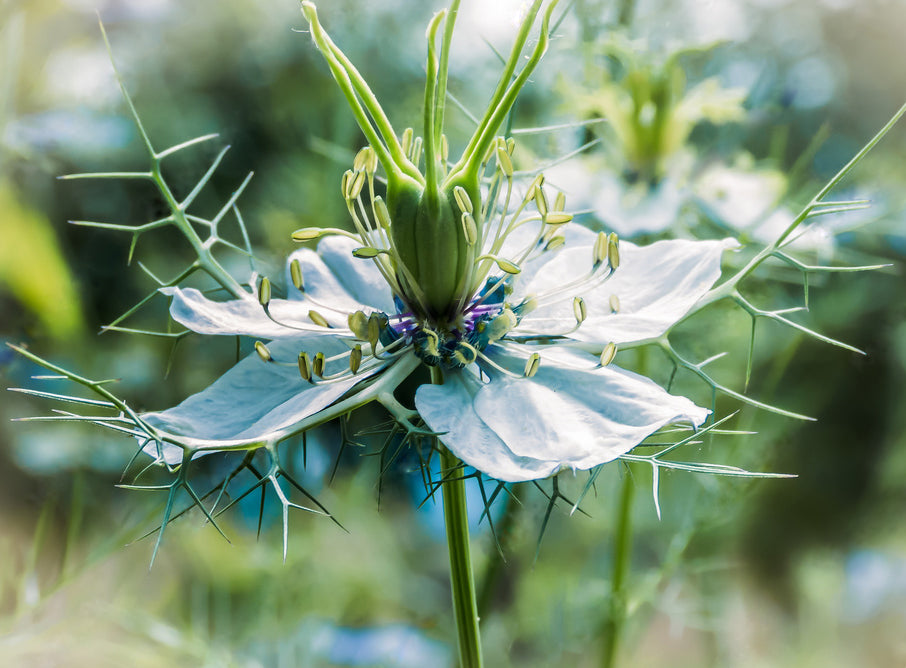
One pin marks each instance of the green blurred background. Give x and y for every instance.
(803, 572)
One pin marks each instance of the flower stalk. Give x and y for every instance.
(456, 521)
(615, 617)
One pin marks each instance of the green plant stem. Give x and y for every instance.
(627, 9)
(615, 616)
(456, 520)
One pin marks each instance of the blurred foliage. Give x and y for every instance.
(777, 573)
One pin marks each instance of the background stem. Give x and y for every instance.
(615, 616)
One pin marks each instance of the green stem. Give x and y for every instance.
(615, 618)
(456, 520)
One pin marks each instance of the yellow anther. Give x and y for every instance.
(444, 148)
(295, 274)
(433, 341)
(465, 353)
(344, 182)
(308, 234)
(317, 365)
(374, 331)
(264, 291)
(599, 251)
(263, 352)
(362, 159)
(367, 252)
(305, 366)
(504, 161)
(318, 319)
(613, 250)
(382, 213)
(462, 199)
(501, 325)
(614, 304)
(557, 218)
(555, 242)
(560, 201)
(355, 185)
(510, 145)
(358, 325)
(580, 310)
(607, 355)
(531, 365)
(355, 358)
(540, 200)
(469, 229)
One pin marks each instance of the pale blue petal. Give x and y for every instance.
(336, 284)
(244, 317)
(570, 415)
(577, 415)
(255, 398)
(447, 409)
(656, 286)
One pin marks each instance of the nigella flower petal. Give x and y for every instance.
(255, 399)
(343, 275)
(245, 317)
(654, 287)
(448, 409)
(578, 416)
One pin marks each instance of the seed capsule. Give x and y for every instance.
(355, 358)
(264, 291)
(305, 366)
(607, 355)
(318, 319)
(263, 352)
(531, 365)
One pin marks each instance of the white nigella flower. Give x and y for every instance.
(451, 269)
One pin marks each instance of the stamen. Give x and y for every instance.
(531, 365)
(462, 199)
(318, 319)
(381, 212)
(367, 252)
(504, 161)
(580, 310)
(600, 249)
(406, 140)
(263, 352)
(317, 365)
(614, 304)
(607, 355)
(295, 273)
(264, 291)
(469, 228)
(613, 250)
(355, 359)
(305, 366)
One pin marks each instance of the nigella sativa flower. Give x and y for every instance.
(456, 267)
